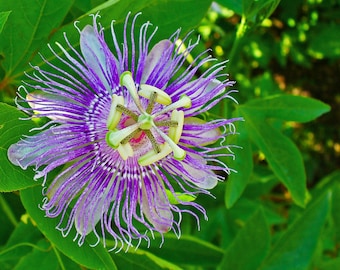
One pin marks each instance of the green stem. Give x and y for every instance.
(61, 264)
(241, 30)
(8, 211)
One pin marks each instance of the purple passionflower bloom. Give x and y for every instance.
(123, 124)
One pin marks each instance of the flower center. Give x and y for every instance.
(143, 123)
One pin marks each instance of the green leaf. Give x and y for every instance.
(326, 43)
(142, 260)
(287, 107)
(182, 197)
(234, 5)
(336, 209)
(252, 241)
(167, 15)
(295, 248)
(187, 250)
(330, 265)
(92, 257)
(11, 128)
(243, 164)
(258, 10)
(42, 257)
(20, 242)
(3, 18)
(281, 153)
(32, 23)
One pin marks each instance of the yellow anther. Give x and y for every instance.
(183, 102)
(151, 156)
(114, 137)
(175, 132)
(179, 153)
(161, 97)
(114, 115)
(125, 151)
(127, 81)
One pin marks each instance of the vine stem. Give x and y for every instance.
(240, 32)
(8, 211)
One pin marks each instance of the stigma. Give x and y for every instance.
(143, 123)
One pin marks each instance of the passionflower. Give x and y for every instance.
(124, 132)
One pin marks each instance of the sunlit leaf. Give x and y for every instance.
(287, 107)
(3, 18)
(167, 15)
(31, 23)
(11, 130)
(281, 153)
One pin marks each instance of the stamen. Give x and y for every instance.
(179, 153)
(166, 123)
(127, 112)
(151, 103)
(127, 81)
(153, 141)
(184, 101)
(129, 137)
(147, 90)
(175, 133)
(114, 137)
(114, 114)
(125, 150)
(151, 156)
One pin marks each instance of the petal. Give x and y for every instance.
(192, 170)
(97, 55)
(88, 212)
(156, 207)
(93, 203)
(198, 135)
(28, 152)
(154, 57)
(43, 103)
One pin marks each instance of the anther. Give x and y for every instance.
(130, 136)
(114, 137)
(184, 101)
(147, 91)
(151, 156)
(114, 114)
(153, 141)
(151, 102)
(166, 123)
(178, 152)
(127, 112)
(125, 151)
(175, 133)
(127, 81)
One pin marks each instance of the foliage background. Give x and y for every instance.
(280, 211)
